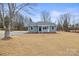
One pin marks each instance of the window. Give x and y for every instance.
(31, 28)
(45, 27)
(52, 27)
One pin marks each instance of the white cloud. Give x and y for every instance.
(55, 13)
(36, 18)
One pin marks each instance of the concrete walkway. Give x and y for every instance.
(13, 33)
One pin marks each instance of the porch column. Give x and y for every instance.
(42, 28)
(48, 28)
(37, 28)
(28, 28)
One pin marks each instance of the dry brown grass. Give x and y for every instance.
(61, 43)
(1, 31)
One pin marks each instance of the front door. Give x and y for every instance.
(40, 29)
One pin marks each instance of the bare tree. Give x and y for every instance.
(45, 16)
(1, 25)
(59, 25)
(18, 23)
(2, 14)
(12, 10)
(64, 22)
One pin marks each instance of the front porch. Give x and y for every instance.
(43, 29)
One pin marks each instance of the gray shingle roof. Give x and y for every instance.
(44, 23)
(40, 23)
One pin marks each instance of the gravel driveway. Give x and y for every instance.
(13, 33)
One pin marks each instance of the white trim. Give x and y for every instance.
(48, 29)
(42, 25)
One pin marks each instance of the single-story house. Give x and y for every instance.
(41, 27)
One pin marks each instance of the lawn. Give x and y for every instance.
(61, 43)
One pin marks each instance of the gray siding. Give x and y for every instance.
(52, 30)
(36, 29)
(32, 30)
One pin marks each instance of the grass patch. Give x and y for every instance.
(63, 43)
(1, 32)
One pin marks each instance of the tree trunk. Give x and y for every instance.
(7, 32)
